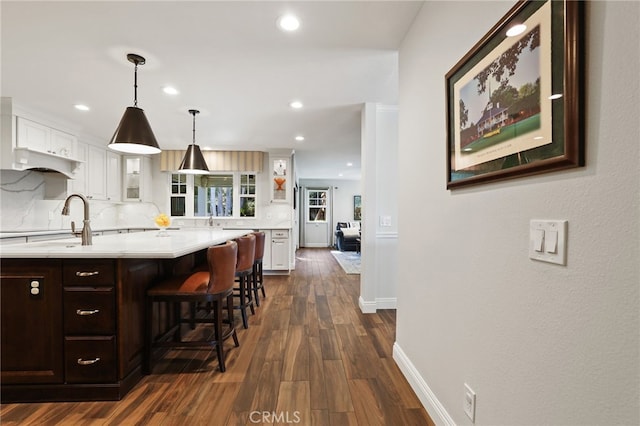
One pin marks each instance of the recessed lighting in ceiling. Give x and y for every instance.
(296, 104)
(349, 164)
(81, 107)
(170, 90)
(288, 23)
(340, 174)
(300, 138)
(516, 30)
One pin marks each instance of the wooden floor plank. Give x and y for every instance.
(308, 349)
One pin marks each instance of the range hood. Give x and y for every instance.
(28, 159)
(16, 157)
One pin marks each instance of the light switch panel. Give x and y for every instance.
(553, 246)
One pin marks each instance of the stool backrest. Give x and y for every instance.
(222, 266)
(246, 252)
(259, 245)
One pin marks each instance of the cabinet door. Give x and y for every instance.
(78, 184)
(33, 135)
(96, 176)
(31, 301)
(279, 253)
(131, 179)
(63, 144)
(114, 176)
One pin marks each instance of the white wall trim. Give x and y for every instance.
(436, 410)
(370, 307)
(388, 235)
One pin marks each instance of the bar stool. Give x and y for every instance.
(244, 273)
(213, 288)
(258, 283)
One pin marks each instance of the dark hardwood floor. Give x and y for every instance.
(309, 357)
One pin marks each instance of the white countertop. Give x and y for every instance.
(141, 245)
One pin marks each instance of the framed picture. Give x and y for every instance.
(515, 102)
(357, 207)
(279, 182)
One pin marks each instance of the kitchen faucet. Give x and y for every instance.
(86, 229)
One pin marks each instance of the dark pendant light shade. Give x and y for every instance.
(134, 134)
(193, 161)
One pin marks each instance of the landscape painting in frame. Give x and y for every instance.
(506, 100)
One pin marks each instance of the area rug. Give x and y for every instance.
(349, 260)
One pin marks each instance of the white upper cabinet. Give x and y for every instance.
(97, 173)
(137, 179)
(114, 176)
(38, 137)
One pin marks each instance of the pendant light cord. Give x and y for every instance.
(135, 86)
(194, 128)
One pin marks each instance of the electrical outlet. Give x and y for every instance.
(469, 404)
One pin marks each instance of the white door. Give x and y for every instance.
(316, 216)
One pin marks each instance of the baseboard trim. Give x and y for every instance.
(370, 307)
(436, 410)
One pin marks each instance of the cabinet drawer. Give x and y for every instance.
(89, 310)
(88, 272)
(90, 359)
(280, 233)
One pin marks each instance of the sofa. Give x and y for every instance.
(348, 236)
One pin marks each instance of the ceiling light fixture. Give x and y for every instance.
(300, 138)
(288, 23)
(134, 134)
(170, 90)
(296, 104)
(193, 161)
(81, 107)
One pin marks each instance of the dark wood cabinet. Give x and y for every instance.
(73, 329)
(31, 322)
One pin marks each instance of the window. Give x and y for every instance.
(213, 195)
(317, 205)
(178, 194)
(231, 194)
(247, 195)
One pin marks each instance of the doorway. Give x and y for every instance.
(316, 217)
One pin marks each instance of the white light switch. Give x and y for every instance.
(548, 241)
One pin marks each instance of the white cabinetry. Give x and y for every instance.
(137, 183)
(99, 176)
(38, 137)
(96, 173)
(280, 250)
(114, 176)
(78, 185)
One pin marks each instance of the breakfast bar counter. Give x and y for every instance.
(72, 316)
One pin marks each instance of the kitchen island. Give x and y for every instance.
(73, 316)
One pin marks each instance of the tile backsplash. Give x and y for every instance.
(23, 207)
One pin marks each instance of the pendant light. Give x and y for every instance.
(193, 161)
(134, 134)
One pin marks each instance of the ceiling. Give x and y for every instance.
(227, 59)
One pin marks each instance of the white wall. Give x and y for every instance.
(538, 343)
(379, 159)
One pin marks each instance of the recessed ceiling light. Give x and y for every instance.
(81, 107)
(516, 30)
(349, 164)
(170, 90)
(288, 23)
(340, 174)
(296, 104)
(299, 138)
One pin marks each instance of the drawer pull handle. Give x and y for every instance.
(84, 312)
(86, 274)
(88, 361)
